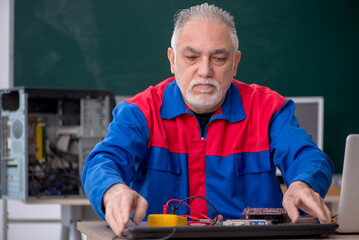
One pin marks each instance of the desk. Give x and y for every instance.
(99, 231)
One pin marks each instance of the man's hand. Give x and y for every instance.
(119, 202)
(301, 196)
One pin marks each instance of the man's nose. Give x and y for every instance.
(205, 68)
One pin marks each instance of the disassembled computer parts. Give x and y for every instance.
(273, 215)
(46, 137)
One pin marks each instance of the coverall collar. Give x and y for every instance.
(173, 104)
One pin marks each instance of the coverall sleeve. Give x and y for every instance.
(114, 160)
(295, 154)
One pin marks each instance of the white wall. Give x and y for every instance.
(4, 55)
(16, 209)
(5, 43)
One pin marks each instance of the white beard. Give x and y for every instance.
(202, 100)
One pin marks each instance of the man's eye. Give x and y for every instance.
(219, 59)
(191, 58)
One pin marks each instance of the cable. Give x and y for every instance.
(198, 220)
(213, 220)
(207, 201)
(176, 200)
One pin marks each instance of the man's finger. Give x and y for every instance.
(113, 220)
(327, 211)
(127, 204)
(140, 210)
(323, 216)
(112, 223)
(291, 209)
(314, 205)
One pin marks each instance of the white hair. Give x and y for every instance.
(201, 13)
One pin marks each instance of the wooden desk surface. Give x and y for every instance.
(96, 230)
(63, 201)
(100, 231)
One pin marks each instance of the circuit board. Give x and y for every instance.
(263, 211)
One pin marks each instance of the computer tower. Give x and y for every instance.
(46, 136)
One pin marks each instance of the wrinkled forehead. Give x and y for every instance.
(204, 33)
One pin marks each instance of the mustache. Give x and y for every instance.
(198, 81)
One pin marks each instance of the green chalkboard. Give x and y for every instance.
(297, 47)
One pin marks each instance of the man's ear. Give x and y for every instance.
(236, 62)
(171, 58)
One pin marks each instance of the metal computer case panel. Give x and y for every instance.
(45, 140)
(13, 147)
